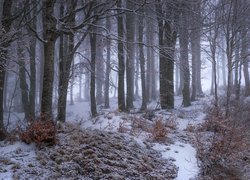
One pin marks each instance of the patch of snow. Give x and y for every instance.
(184, 156)
(17, 154)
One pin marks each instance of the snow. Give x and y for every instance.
(180, 151)
(17, 154)
(184, 157)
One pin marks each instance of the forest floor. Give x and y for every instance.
(157, 144)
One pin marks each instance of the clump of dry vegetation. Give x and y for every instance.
(221, 145)
(39, 131)
(159, 131)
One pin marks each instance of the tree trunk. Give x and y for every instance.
(142, 62)
(108, 69)
(72, 83)
(167, 41)
(86, 85)
(137, 72)
(32, 92)
(50, 37)
(32, 54)
(149, 56)
(194, 64)
(92, 74)
(99, 69)
(22, 76)
(66, 57)
(6, 24)
(130, 26)
(121, 64)
(223, 62)
(184, 58)
(236, 68)
(198, 28)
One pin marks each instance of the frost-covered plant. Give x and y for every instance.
(159, 131)
(221, 142)
(39, 131)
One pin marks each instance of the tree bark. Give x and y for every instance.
(108, 69)
(121, 64)
(92, 74)
(99, 69)
(184, 58)
(50, 35)
(130, 26)
(167, 41)
(142, 62)
(6, 24)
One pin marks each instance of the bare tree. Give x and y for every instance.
(5, 40)
(142, 60)
(184, 55)
(108, 68)
(121, 63)
(130, 26)
(167, 42)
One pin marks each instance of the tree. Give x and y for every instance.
(121, 64)
(50, 34)
(230, 15)
(22, 76)
(92, 73)
(32, 63)
(151, 77)
(195, 38)
(130, 27)
(5, 40)
(142, 61)
(108, 68)
(66, 56)
(167, 41)
(184, 56)
(99, 65)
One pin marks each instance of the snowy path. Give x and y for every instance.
(182, 152)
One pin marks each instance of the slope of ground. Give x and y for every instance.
(114, 145)
(90, 154)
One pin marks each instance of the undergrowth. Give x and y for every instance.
(221, 144)
(39, 131)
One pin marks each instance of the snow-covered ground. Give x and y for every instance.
(179, 150)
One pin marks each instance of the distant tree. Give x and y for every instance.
(108, 68)
(22, 76)
(142, 60)
(195, 38)
(32, 11)
(151, 75)
(99, 65)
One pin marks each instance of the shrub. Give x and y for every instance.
(39, 131)
(220, 146)
(159, 131)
